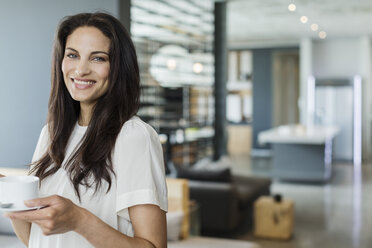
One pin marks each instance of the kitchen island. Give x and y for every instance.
(301, 153)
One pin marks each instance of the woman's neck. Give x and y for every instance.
(85, 114)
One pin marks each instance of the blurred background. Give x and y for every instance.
(216, 75)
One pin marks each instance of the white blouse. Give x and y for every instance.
(139, 179)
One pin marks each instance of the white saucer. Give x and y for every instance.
(13, 209)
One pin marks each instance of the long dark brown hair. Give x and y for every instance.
(92, 157)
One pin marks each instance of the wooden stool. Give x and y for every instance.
(273, 217)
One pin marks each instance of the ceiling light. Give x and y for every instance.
(314, 27)
(291, 7)
(304, 19)
(197, 68)
(171, 64)
(322, 34)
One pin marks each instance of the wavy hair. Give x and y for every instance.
(92, 157)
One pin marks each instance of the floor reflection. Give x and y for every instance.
(357, 204)
(335, 214)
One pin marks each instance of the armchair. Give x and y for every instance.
(225, 201)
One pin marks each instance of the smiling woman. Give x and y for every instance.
(86, 67)
(101, 168)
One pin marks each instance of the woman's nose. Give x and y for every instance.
(82, 68)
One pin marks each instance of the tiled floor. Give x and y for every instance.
(336, 214)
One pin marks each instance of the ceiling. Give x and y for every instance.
(254, 23)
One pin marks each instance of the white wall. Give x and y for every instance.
(27, 31)
(340, 58)
(336, 58)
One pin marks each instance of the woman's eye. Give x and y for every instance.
(71, 56)
(99, 59)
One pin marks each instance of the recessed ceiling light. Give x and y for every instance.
(314, 27)
(292, 7)
(304, 19)
(322, 34)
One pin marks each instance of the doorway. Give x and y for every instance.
(285, 87)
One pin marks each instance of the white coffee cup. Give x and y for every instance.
(17, 189)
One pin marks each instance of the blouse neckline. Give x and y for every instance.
(80, 129)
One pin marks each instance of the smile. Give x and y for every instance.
(85, 82)
(82, 84)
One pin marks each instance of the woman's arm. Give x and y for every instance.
(22, 229)
(149, 226)
(61, 215)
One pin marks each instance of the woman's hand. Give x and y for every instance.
(59, 215)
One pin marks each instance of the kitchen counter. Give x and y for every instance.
(301, 153)
(298, 134)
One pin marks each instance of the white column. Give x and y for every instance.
(365, 67)
(306, 59)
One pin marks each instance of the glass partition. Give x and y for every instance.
(174, 42)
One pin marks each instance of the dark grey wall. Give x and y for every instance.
(27, 30)
(262, 93)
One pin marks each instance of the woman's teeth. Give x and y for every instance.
(83, 82)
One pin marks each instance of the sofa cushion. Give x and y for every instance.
(210, 175)
(174, 225)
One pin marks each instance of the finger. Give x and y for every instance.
(30, 215)
(40, 223)
(1, 175)
(41, 202)
(43, 224)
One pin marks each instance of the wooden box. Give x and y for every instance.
(239, 139)
(178, 200)
(273, 219)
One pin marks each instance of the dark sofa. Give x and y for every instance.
(225, 201)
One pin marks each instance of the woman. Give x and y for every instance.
(100, 166)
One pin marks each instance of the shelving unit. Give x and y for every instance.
(174, 42)
(239, 87)
(239, 102)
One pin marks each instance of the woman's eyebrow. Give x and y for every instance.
(69, 48)
(94, 52)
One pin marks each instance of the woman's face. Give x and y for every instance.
(86, 65)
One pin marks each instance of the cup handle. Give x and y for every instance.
(1, 192)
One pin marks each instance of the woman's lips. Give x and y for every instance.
(83, 84)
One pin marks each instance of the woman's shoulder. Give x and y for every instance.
(44, 129)
(44, 134)
(137, 128)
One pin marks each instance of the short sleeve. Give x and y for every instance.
(42, 144)
(139, 167)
